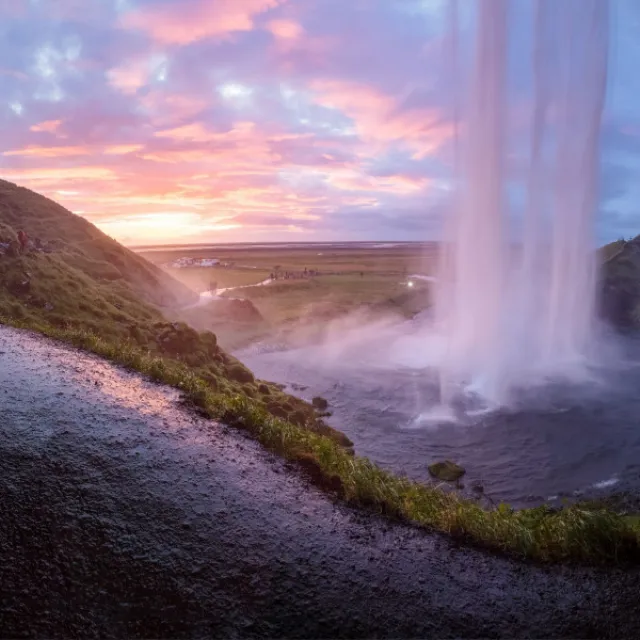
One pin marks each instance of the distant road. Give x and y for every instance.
(122, 515)
(207, 296)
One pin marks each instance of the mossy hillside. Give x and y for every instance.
(87, 282)
(86, 248)
(80, 304)
(580, 533)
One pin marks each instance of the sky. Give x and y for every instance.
(177, 121)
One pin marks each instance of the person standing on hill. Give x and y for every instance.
(23, 239)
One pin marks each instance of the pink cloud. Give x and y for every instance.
(50, 126)
(128, 78)
(285, 29)
(165, 109)
(59, 175)
(192, 20)
(12, 73)
(194, 132)
(396, 184)
(122, 149)
(48, 152)
(378, 118)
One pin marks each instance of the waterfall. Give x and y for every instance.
(513, 303)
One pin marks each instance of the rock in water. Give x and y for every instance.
(320, 403)
(447, 471)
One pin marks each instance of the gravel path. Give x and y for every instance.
(123, 515)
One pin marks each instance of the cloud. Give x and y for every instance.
(187, 21)
(378, 117)
(128, 79)
(259, 118)
(61, 175)
(48, 152)
(285, 29)
(50, 126)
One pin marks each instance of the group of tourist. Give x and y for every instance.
(22, 245)
(293, 275)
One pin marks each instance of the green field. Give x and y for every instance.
(330, 259)
(337, 281)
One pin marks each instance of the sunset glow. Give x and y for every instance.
(193, 120)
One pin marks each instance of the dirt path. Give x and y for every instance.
(121, 515)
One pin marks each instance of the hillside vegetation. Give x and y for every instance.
(82, 281)
(81, 287)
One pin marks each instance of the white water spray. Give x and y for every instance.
(509, 313)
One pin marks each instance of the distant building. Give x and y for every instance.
(186, 263)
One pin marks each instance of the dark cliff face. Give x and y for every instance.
(620, 286)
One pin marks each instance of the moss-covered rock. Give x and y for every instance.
(312, 467)
(277, 410)
(446, 471)
(176, 338)
(329, 432)
(299, 417)
(249, 390)
(239, 373)
(320, 403)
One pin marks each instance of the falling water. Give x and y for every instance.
(508, 314)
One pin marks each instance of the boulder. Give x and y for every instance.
(446, 471)
(239, 373)
(234, 309)
(320, 403)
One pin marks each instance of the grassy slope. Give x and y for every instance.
(85, 248)
(87, 306)
(91, 283)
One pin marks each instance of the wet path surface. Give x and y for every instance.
(121, 515)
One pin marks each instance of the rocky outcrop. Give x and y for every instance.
(222, 310)
(620, 285)
(320, 403)
(446, 471)
(236, 309)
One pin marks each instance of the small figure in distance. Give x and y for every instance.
(23, 239)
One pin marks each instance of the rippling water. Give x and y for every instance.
(553, 441)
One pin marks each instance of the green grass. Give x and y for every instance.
(575, 533)
(332, 296)
(96, 295)
(351, 278)
(290, 305)
(396, 260)
(90, 284)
